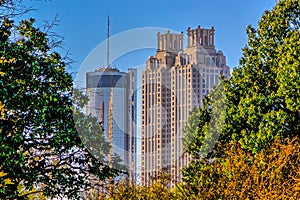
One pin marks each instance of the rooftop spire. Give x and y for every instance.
(107, 53)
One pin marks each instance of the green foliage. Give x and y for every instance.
(262, 98)
(205, 124)
(263, 94)
(195, 129)
(40, 150)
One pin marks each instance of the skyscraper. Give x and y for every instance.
(101, 84)
(174, 82)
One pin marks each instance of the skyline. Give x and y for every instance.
(126, 52)
(152, 110)
(84, 25)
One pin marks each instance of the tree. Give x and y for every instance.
(12, 8)
(272, 173)
(262, 96)
(158, 189)
(40, 150)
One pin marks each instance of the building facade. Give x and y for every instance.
(132, 128)
(174, 82)
(116, 113)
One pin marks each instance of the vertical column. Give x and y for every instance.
(158, 41)
(181, 41)
(178, 42)
(192, 36)
(201, 37)
(198, 35)
(167, 40)
(189, 36)
(206, 37)
(213, 36)
(164, 42)
(195, 37)
(171, 41)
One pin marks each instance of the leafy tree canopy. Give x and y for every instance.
(262, 96)
(40, 150)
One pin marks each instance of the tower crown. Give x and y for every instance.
(170, 42)
(201, 37)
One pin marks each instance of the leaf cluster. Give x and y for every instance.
(262, 112)
(40, 149)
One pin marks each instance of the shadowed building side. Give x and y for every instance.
(124, 132)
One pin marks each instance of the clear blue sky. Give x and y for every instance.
(83, 23)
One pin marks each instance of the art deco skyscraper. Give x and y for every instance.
(174, 82)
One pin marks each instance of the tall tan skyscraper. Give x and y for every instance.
(174, 81)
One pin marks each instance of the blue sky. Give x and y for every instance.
(84, 23)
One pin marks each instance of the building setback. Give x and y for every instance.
(173, 83)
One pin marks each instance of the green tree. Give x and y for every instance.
(262, 96)
(40, 150)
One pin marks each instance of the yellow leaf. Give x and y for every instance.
(2, 174)
(8, 181)
(2, 110)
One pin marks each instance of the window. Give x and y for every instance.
(207, 61)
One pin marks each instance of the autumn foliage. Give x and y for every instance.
(273, 173)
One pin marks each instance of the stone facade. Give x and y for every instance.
(173, 83)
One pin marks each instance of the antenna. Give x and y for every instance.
(107, 53)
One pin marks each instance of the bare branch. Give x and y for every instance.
(13, 8)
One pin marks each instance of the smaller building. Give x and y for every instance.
(100, 84)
